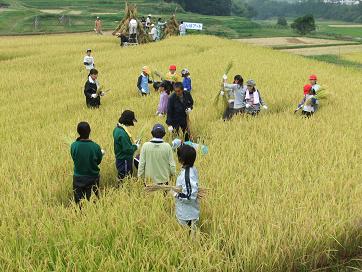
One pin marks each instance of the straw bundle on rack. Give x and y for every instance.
(172, 27)
(130, 12)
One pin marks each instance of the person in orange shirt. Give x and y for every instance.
(98, 26)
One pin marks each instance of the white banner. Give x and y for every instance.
(194, 26)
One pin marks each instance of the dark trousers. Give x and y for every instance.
(307, 113)
(84, 186)
(185, 132)
(124, 168)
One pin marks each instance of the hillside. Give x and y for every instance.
(36, 16)
(284, 192)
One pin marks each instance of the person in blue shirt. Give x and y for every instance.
(143, 81)
(186, 80)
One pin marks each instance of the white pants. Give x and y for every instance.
(133, 29)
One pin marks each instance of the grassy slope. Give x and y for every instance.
(285, 191)
(20, 18)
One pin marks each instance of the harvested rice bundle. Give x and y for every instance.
(130, 12)
(224, 97)
(172, 27)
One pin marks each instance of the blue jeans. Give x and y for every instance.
(124, 168)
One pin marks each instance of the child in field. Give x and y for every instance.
(172, 77)
(186, 80)
(88, 61)
(187, 204)
(238, 90)
(93, 97)
(86, 155)
(124, 148)
(162, 105)
(253, 99)
(313, 81)
(309, 104)
(143, 81)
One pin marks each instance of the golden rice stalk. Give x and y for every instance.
(156, 188)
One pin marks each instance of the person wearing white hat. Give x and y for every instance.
(153, 32)
(88, 61)
(148, 20)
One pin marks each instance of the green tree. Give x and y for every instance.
(304, 25)
(282, 21)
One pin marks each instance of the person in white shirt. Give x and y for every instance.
(153, 32)
(148, 21)
(133, 24)
(88, 61)
(182, 29)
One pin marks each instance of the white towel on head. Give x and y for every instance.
(256, 97)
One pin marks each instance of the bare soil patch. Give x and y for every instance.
(289, 41)
(330, 50)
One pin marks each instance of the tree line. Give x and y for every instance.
(264, 9)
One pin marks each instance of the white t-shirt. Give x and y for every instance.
(154, 33)
(182, 28)
(133, 23)
(148, 21)
(90, 60)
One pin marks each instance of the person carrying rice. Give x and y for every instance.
(253, 99)
(180, 105)
(91, 87)
(143, 81)
(156, 159)
(238, 90)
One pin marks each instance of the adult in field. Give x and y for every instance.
(180, 105)
(124, 147)
(238, 91)
(156, 161)
(153, 33)
(86, 155)
(92, 95)
(88, 61)
(98, 26)
(182, 29)
(133, 24)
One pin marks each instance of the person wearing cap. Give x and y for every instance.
(144, 80)
(87, 156)
(186, 80)
(238, 91)
(88, 61)
(180, 105)
(164, 94)
(153, 33)
(172, 77)
(98, 26)
(182, 29)
(124, 147)
(92, 96)
(309, 104)
(156, 161)
(253, 99)
(313, 81)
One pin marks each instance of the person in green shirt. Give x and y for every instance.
(87, 156)
(124, 148)
(156, 160)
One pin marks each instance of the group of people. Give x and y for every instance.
(241, 98)
(156, 164)
(156, 160)
(154, 29)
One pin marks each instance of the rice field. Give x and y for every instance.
(330, 50)
(284, 192)
(356, 57)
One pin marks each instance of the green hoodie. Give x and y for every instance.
(123, 146)
(86, 155)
